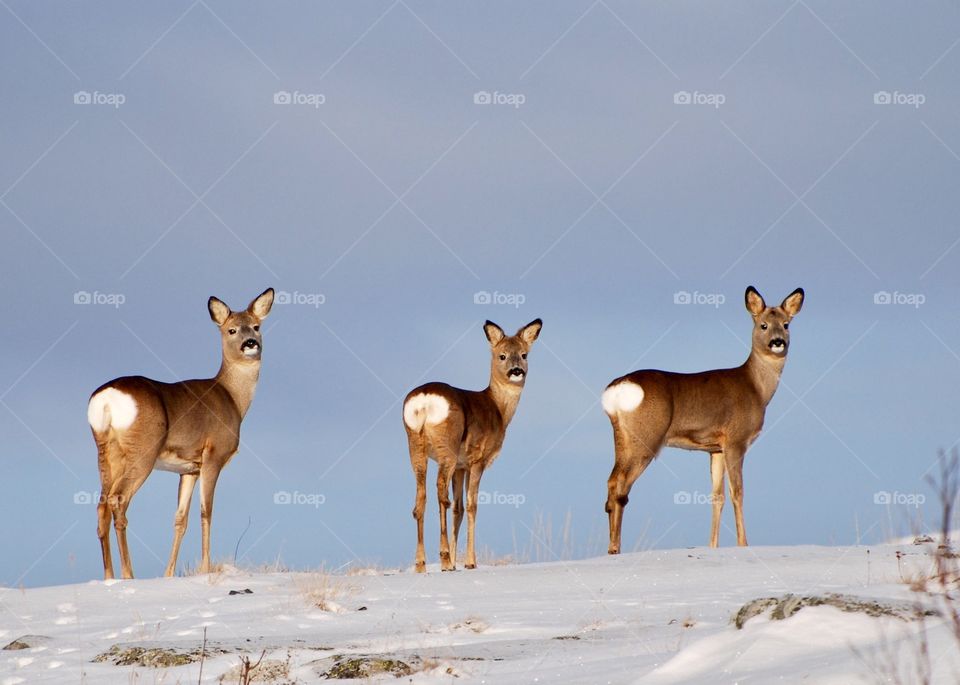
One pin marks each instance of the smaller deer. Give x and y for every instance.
(463, 431)
(191, 428)
(720, 412)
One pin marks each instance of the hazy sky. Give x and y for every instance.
(384, 162)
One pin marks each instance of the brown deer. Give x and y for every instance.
(463, 431)
(720, 412)
(191, 428)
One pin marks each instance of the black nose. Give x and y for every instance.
(249, 342)
(515, 371)
(778, 342)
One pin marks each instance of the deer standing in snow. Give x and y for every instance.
(463, 431)
(720, 412)
(191, 428)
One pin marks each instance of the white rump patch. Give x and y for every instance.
(111, 408)
(423, 409)
(624, 396)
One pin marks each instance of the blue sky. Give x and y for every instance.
(629, 152)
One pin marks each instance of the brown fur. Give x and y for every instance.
(720, 412)
(191, 428)
(468, 440)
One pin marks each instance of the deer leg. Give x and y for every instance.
(473, 491)
(458, 482)
(443, 495)
(104, 513)
(184, 495)
(418, 460)
(613, 508)
(733, 458)
(121, 493)
(717, 469)
(209, 473)
(633, 455)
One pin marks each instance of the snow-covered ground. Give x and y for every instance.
(651, 617)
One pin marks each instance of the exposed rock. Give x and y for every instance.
(787, 605)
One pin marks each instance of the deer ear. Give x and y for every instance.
(754, 301)
(792, 302)
(493, 332)
(531, 331)
(261, 304)
(218, 310)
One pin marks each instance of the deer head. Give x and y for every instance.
(508, 363)
(771, 325)
(240, 335)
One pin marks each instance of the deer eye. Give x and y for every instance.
(786, 324)
(232, 331)
(524, 355)
(763, 327)
(256, 328)
(502, 357)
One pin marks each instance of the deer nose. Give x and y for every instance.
(515, 371)
(249, 343)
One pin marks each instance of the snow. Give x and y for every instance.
(661, 616)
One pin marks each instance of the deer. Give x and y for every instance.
(191, 428)
(463, 431)
(720, 412)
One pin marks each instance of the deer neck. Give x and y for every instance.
(240, 380)
(764, 371)
(505, 395)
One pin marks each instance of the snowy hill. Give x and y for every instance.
(651, 617)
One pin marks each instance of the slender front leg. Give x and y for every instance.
(734, 463)
(209, 473)
(443, 495)
(458, 478)
(184, 495)
(476, 471)
(717, 469)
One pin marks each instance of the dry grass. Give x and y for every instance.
(321, 590)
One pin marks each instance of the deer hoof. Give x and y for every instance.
(470, 566)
